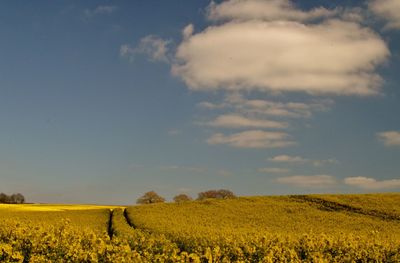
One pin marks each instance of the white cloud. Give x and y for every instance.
(273, 170)
(260, 107)
(154, 47)
(100, 10)
(237, 121)
(308, 180)
(299, 159)
(264, 10)
(282, 56)
(371, 183)
(253, 139)
(390, 138)
(288, 159)
(388, 10)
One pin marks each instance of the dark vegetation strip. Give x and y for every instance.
(128, 220)
(326, 205)
(110, 224)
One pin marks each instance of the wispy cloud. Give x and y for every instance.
(299, 159)
(224, 173)
(267, 108)
(153, 47)
(388, 10)
(174, 132)
(264, 10)
(253, 139)
(308, 180)
(371, 183)
(180, 168)
(273, 170)
(100, 10)
(389, 138)
(237, 121)
(288, 159)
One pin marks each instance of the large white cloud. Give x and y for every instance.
(265, 10)
(253, 139)
(332, 56)
(371, 183)
(308, 180)
(390, 138)
(388, 10)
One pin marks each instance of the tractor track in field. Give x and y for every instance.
(128, 221)
(110, 227)
(332, 206)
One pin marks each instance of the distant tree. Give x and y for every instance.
(18, 198)
(150, 198)
(12, 199)
(217, 194)
(3, 198)
(182, 198)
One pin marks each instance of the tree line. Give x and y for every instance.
(12, 199)
(152, 197)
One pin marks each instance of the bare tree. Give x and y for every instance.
(150, 198)
(182, 198)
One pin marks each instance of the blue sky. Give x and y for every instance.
(101, 101)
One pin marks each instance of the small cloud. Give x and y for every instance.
(308, 180)
(188, 31)
(299, 159)
(100, 10)
(371, 183)
(389, 138)
(174, 132)
(288, 159)
(253, 139)
(154, 47)
(319, 163)
(273, 170)
(237, 121)
(224, 173)
(211, 106)
(178, 168)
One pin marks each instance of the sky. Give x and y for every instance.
(101, 101)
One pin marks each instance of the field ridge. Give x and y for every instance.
(328, 205)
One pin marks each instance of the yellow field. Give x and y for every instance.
(313, 228)
(51, 207)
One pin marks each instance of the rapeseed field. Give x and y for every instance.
(312, 228)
